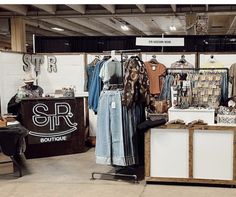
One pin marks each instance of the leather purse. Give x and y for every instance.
(161, 106)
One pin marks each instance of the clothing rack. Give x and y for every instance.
(216, 70)
(198, 69)
(122, 54)
(117, 172)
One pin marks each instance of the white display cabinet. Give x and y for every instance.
(191, 154)
(189, 115)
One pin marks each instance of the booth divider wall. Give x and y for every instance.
(70, 66)
(168, 58)
(11, 76)
(224, 59)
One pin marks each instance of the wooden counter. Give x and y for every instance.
(56, 126)
(199, 154)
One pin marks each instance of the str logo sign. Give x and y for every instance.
(62, 115)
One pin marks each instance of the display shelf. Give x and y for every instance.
(191, 114)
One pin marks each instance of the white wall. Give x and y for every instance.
(70, 72)
(168, 58)
(226, 59)
(11, 76)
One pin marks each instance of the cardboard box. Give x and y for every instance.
(3, 123)
(5, 168)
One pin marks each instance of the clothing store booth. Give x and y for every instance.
(173, 113)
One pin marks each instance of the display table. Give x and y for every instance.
(56, 126)
(188, 115)
(198, 154)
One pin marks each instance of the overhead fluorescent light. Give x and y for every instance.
(124, 27)
(57, 29)
(172, 28)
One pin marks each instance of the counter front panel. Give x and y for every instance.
(56, 126)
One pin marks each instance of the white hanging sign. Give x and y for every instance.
(160, 41)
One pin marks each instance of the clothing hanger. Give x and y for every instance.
(212, 59)
(182, 59)
(124, 57)
(106, 57)
(96, 59)
(153, 60)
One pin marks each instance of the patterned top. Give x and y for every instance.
(136, 82)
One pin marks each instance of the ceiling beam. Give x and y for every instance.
(20, 9)
(141, 7)
(65, 24)
(35, 30)
(138, 24)
(115, 25)
(111, 8)
(79, 8)
(232, 27)
(173, 6)
(47, 8)
(95, 25)
(47, 26)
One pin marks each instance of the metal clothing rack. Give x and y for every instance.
(198, 69)
(122, 53)
(117, 173)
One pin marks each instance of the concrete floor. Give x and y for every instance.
(70, 175)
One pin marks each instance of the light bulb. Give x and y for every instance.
(124, 27)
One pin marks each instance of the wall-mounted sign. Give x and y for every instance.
(32, 60)
(159, 41)
(52, 66)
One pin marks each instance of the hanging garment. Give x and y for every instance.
(136, 82)
(224, 87)
(109, 137)
(96, 87)
(133, 141)
(117, 140)
(111, 73)
(155, 72)
(166, 90)
(181, 64)
(212, 64)
(89, 75)
(232, 79)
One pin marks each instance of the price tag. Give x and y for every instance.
(153, 68)
(113, 105)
